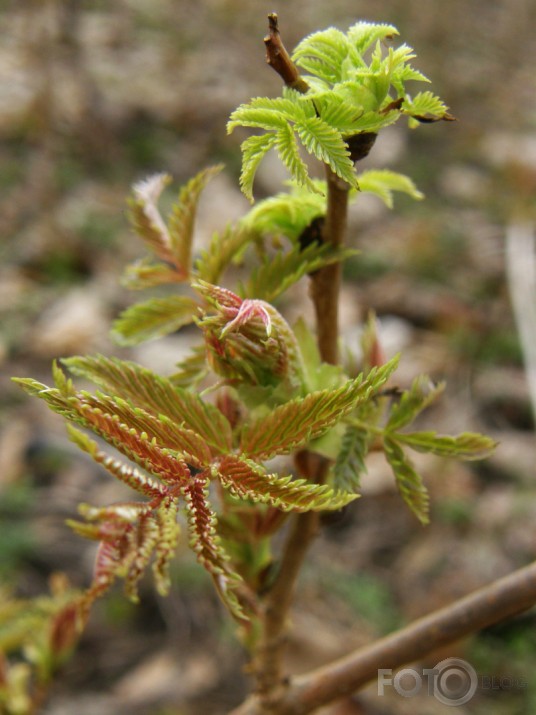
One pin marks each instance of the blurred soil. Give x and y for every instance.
(95, 96)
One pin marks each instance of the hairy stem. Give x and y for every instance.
(501, 599)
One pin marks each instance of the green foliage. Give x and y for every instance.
(355, 85)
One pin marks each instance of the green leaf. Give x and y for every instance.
(327, 145)
(322, 54)
(253, 151)
(350, 462)
(408, 481)
(468, 445)
(166, 546)
(224, 248)
(364, 34)
(301, 420)
(264, 113)
(287, 213)
(287, 148)
(247, 480)
(426, 107)
(154, 318)
(157, 395)
(181, 221)
(278, 272)
(383, 183)
(420, 395)
(318, 375)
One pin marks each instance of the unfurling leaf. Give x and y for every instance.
(408, 481)
(154, 318)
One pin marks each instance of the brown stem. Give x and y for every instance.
(325, 283)
(268, 664)
(279, 59)
(499, 600)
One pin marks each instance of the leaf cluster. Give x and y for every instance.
(356, 85)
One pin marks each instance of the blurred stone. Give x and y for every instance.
(75, 323)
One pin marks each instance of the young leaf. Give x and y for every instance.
(146, 273)
(408, 481)
(154, 318)
(166, 546)
(299, 421)
(253, 151)
(181, 221)
(420, 395)
(158, 395)
(467, 445)
(426, 107)
(146, 219)
(202, 526)
(364, 34)
(327, 145)
(224, 248)
(248, 480)
(350, 462)
(289, 154)
(383, 182)
(123, 472)
(278, 272)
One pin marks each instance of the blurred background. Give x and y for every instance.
(97, 95)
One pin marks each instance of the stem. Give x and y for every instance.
(499, 600)
(326, 282)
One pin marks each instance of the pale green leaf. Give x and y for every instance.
(145, 215)
(253, 151)
(468, 445)
(154, 318)
(364, 34)
(289, 154)
(408, 481)
(248, 480)
(384, 182)
(224, 248)
(425, 106)
(327, 145)
(265, 113)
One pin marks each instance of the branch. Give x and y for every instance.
(279, 59)
(499, 600)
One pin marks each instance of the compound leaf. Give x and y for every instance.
(327, 145)
(420, 395)
(384, 182)
(467, 445)
(350, 462)
(253, 151)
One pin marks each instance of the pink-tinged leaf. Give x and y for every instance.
(123, 472)
(154, 318)
(303, 419)
(206, 543)
(146, 219)
(146, 273)
(143, 542)
(166, 546)
(157, 395)
(249, 310)
(220, 298)
(248, 480)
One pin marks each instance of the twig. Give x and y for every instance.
(503, 598)
(279, 59)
